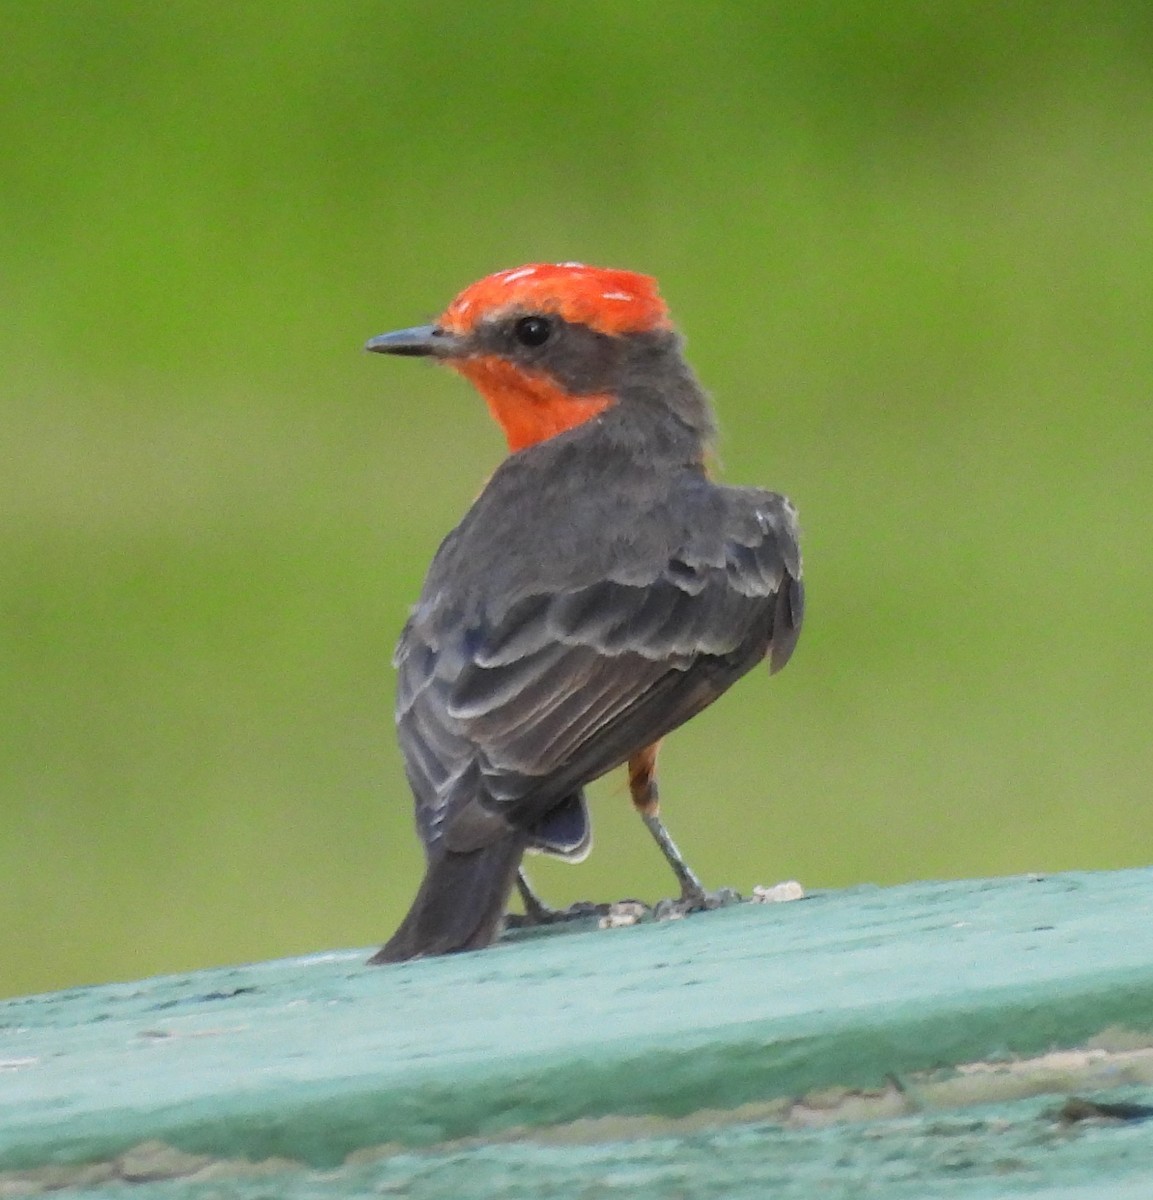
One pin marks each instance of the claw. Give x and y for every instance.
(695, 901)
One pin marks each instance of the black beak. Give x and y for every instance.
(420, 341)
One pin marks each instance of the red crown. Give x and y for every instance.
(609, 301)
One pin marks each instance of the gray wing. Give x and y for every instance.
(501, 718)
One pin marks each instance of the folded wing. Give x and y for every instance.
(505, 716)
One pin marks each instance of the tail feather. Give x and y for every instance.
(460, 903)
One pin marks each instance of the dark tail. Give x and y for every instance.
(460, 903)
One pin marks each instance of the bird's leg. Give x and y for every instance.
(537, 912)
(646, 800)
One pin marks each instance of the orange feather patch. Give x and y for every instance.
(527, 406)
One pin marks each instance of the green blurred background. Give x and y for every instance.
(911, 246)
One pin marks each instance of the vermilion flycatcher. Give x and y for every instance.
(600, 591)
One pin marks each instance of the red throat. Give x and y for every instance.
(529, 408)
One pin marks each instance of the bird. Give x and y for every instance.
(601, 590)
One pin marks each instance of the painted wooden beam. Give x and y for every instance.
(764, 1027)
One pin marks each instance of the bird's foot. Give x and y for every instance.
(695, 900)
(539, 913)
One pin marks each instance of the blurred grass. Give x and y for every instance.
(911, 246)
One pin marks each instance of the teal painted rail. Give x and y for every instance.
(920, 1039)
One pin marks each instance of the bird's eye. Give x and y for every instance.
(532, 331)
